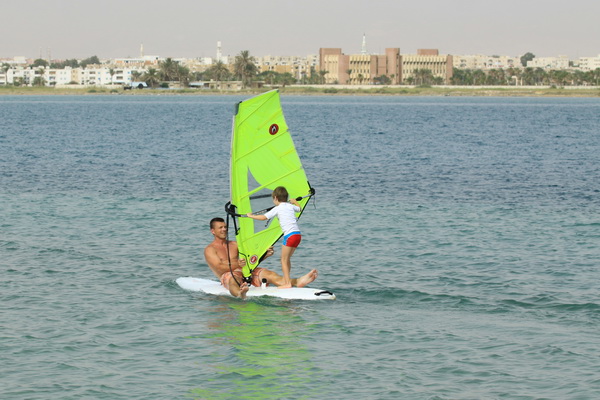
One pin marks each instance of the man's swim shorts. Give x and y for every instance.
(256, 279)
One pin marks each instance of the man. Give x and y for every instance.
(216, 258)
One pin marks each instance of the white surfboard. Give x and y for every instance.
(214, 287)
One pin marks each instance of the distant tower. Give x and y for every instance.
(364, 45)
(142, 50)
(219, 55)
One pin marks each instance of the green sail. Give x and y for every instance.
(263, 157)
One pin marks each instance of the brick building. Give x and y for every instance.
(361, 69)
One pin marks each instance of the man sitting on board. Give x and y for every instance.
(216, 258)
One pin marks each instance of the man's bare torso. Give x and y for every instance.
(216, 256)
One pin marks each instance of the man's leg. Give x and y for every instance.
(236, 290)
(273, 278)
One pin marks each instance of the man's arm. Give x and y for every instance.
(214, 261)
(220, 266)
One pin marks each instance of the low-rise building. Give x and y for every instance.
(484, 62)
(427, 59)
(297, 66)
(357, 69)
(361, 69)
(548, 63)
(589, 63)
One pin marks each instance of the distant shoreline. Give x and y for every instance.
(325, 90)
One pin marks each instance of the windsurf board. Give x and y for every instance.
(214, 287)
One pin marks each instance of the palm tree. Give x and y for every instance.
(245, 67)
(286, 79)
(478, 77)
(459, 76)
(349, 72)
(218, 71)
(559, 77)
(39, 80)
(151, 77)
(496, 77)
(112, 73)
(423, 77)
(269, 76)
(596, 76)
(183, 75)
(528, 76)
(322, 74)
(168, 69)
(382, 80)
(5, 68)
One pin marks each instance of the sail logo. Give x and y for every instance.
(273, 129)
(253, 259)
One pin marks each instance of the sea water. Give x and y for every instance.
(460, 235)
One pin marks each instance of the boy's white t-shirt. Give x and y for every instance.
(287, 217)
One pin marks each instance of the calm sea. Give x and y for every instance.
(461, 236)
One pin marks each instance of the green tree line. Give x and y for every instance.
(244, 69)
(525, 77)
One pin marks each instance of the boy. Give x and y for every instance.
(286, 213)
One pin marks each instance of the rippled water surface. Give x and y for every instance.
(461, 236)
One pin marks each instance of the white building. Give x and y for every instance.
(24, 76)
(589, 63)
(54, 77)
(101, 76)
(91, 76)
(485, 62)
(560, 62)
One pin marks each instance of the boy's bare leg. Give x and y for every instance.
(286, 266)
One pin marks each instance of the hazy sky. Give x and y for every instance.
(191, 28)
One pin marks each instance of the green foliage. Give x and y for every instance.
(525, 77)
(73, 63)
(382, 80)
(151, 77)
(245, 68)
(526, 57)
(172, 71)
(88, 61)
(39, 63)
(217, 72)
(423, 77)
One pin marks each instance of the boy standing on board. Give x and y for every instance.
(286, 213)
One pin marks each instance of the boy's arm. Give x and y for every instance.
(258, 217)
(296, 204)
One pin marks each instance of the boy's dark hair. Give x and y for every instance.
(215, 219)
(280, 193)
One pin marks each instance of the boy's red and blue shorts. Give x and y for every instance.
(292, 239)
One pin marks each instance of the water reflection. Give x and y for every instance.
(259, 352)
